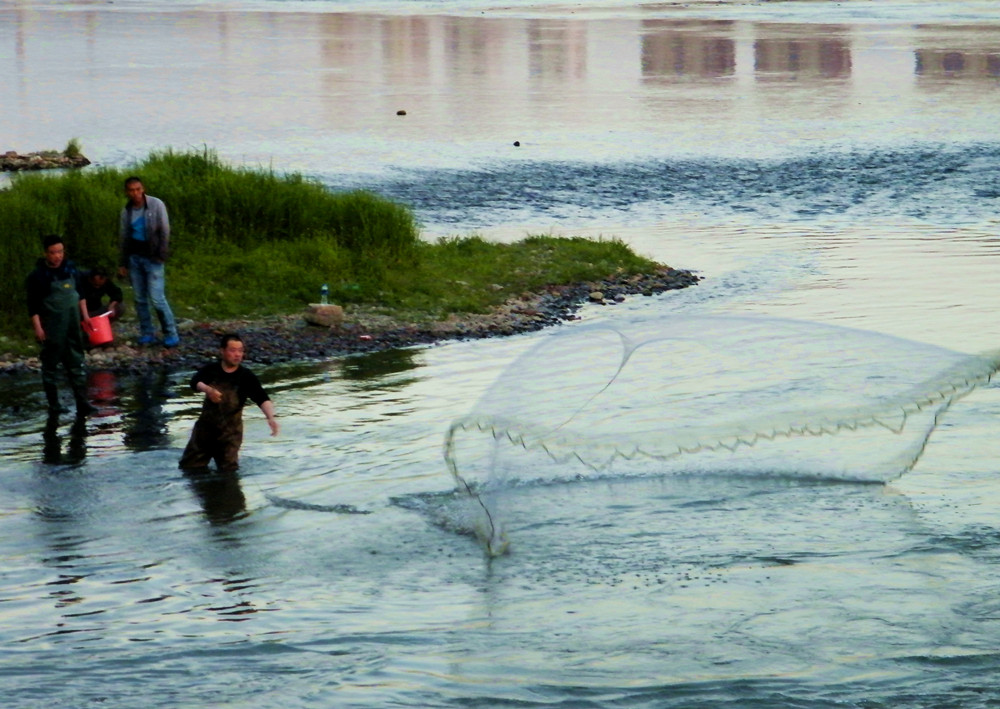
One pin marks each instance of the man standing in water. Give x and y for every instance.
(57, 307)
(144, 241)
(218, 432)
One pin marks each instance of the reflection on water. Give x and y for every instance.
(76, 450)
(961, 54)
(376, 365)
(677, 48)
(801, 53)
(219, 492)
(145, 421)
(474, 83)
(557, 51)
(958, 65)
(102, 387)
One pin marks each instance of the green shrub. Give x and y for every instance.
(72, 148)
(470, 274)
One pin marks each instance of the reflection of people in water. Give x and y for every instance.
(145, 419)
(102, 387)
(76, 451)
(220, 493)
(218, 432)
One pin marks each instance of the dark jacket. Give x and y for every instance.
(95, 296)
(39, 283)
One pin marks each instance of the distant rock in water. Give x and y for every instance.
(12, 161)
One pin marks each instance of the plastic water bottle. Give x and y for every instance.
(324, 295)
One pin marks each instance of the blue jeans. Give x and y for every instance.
(149, 285)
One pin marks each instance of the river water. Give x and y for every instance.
(826, 167)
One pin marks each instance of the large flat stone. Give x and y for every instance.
(324, 315)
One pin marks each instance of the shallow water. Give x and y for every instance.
(834, 163)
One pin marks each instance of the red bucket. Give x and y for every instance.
(99, 331)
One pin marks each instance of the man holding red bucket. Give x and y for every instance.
(57, 308)
(96, 287)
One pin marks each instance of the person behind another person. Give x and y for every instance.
(218, 432)
(144, 241)
(96, 287)
(57, 307)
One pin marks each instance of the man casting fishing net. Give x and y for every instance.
(218, 432)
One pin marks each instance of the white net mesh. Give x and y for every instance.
(694, 395)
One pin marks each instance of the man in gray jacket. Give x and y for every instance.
(144, 239)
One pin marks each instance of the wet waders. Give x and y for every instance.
(217, 435)
(63, 346)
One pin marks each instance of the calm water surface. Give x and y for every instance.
(834, 163)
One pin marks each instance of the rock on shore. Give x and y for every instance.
(294, 338)
(12, 161)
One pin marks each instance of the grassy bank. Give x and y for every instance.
(251, 243)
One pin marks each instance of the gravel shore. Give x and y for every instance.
(290, 338)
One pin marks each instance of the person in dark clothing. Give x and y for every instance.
(96, 287)
(57, 308)
(218, 432)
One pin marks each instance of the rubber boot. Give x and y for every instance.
(52, 397)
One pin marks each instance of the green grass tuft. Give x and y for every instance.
(72, 149)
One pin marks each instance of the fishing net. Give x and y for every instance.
(697, 395)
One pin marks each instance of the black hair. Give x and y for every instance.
(229, 336)
(99, 271)
(51, 240)
(130, 180)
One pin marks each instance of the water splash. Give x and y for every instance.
(746, 395)
(291, 504)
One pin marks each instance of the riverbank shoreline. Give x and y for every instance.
(289, 338)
